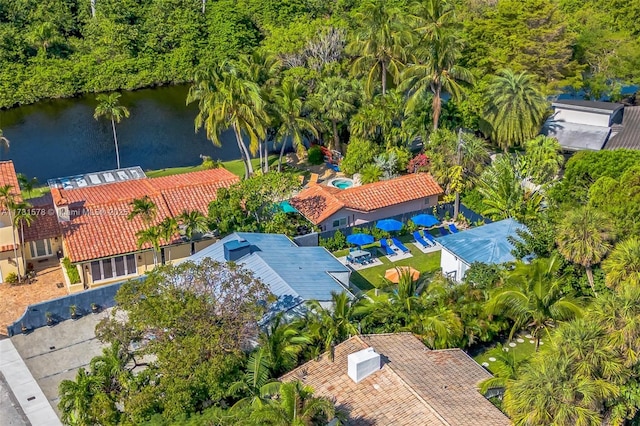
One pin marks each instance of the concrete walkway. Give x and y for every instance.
(24, 387)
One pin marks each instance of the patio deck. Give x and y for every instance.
(17, 297)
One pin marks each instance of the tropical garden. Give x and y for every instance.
(459, 89)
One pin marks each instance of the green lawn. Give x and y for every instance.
(522, 350)
(369, 278)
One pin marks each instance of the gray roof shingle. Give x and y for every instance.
(628, 135)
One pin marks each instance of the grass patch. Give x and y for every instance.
(35, 192)
(369, 278)
(522, 350)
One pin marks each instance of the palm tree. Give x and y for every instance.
(262, 69)
(583, 237)
(433, 20)
(516, 109)
(504, 369)
(44, 35)
(504, 193)
(145, 208)
(256, 383)
(151, 236)
(110, 368)
(294, 122)
(617, 314)
(533, 298)
(193, 222)
(437, 72)
(228, 100)
(4, 142)
(23, 217)
(379, 45)
(332, 326)
(76, 397)
(168, 228)
(109, 107)
(622, 266)
(295, 405)
(8, 201)
(27, 184)
(335, 99)
(282, 344)
(543, 159)
(548, 392)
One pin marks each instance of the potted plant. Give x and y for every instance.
(73, 309)
(95, 308)
(49, 317)
(24, 328)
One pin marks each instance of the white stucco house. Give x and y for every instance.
(583, 125)
(485, 244)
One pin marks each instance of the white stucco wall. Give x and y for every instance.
(582, 117)
(450, 263)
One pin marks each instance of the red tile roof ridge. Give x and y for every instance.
(9, 177)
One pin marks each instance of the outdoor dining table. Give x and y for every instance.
(358, 255)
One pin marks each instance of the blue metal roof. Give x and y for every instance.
(287, 269)
(486, 244)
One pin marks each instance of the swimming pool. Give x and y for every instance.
(341, 183)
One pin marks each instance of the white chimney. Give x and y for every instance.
(362, 364)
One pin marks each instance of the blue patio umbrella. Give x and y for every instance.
(389, 225)
(425, 220)
(360, 239)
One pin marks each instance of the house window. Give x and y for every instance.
(452, 275)
(337, 223)
(40, 248)
(114, 267)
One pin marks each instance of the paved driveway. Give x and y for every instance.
(54, 354)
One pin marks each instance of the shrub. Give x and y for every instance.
(72, 271)
(315, 155)
(419, 163)
(370, 173)
(208, 163)
(335, 243)
(360, 152)
(11, 278)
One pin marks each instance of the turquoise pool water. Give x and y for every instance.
(342, 183)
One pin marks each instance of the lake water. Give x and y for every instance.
(60, 137)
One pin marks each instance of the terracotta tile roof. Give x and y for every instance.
(8, 177)
(414, 386)
(99, 226)
(8, 247)
(45, 222)
(319, 202)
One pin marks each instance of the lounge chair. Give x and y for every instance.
(430, 238)
(399, 244)
(420, 240)
(313, 180)
(443, 231)
(385, 247)
(453, 229)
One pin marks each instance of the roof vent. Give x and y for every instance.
(235, 250)
(362, 364)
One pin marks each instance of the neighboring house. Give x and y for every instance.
(293, 274)
(96, 235)
(485, 244)
(627, 134)
(8, 261)
(393, 379)
(582, 125)
(333, 208)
